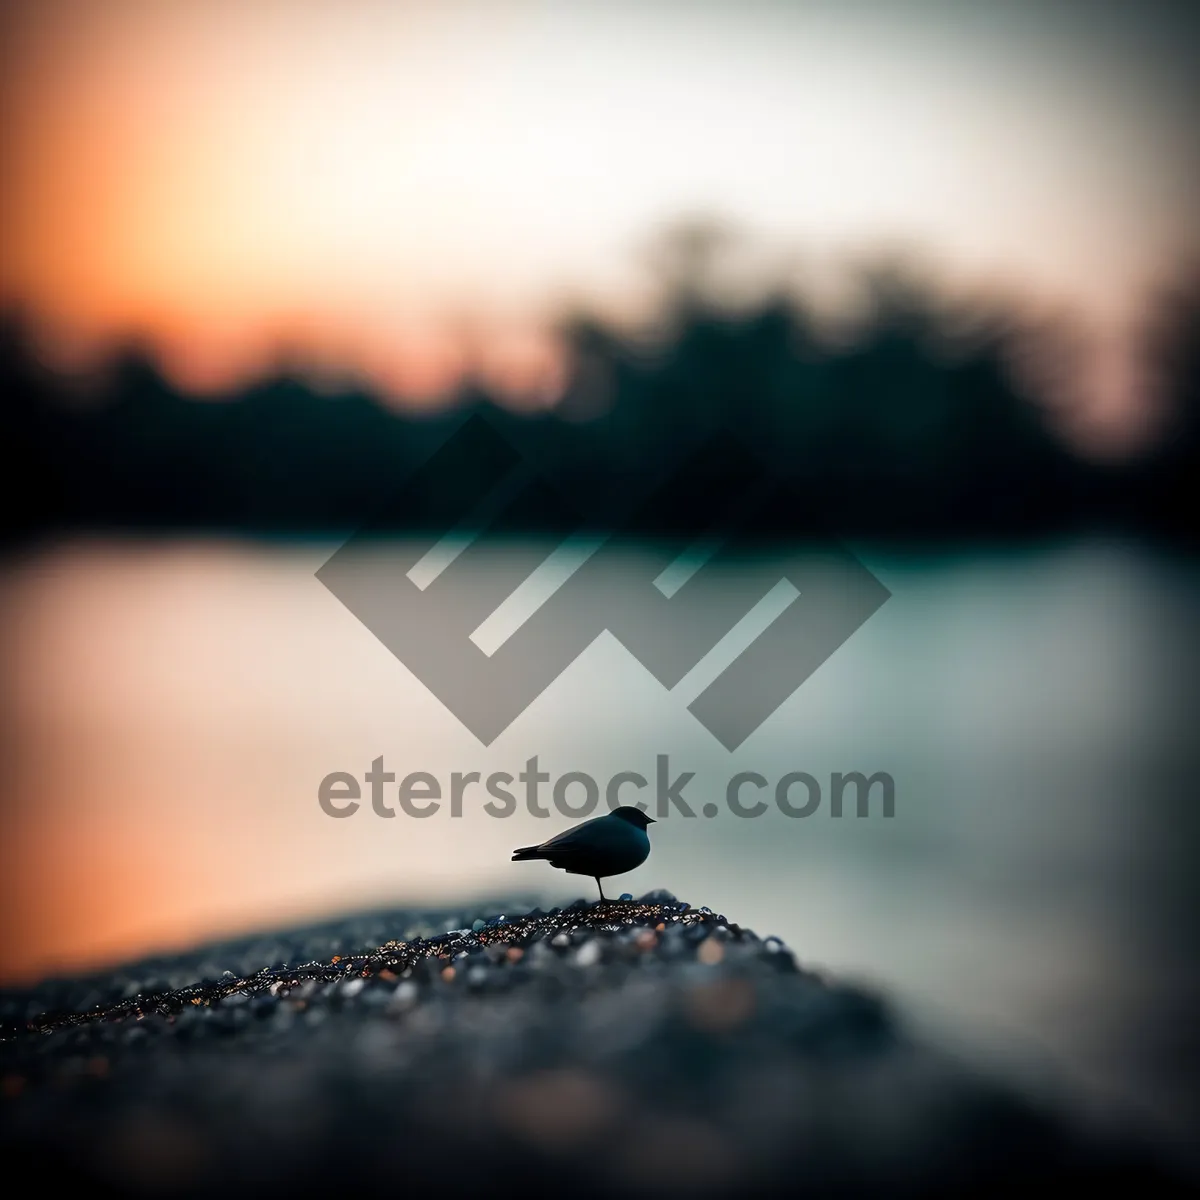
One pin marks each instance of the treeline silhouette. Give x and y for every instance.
(909, 425)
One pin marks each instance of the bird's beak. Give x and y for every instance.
(651, 821)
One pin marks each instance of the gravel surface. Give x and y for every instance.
(639, 1047)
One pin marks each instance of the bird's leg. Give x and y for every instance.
(601, 887)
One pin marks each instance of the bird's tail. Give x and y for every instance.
(526, 852)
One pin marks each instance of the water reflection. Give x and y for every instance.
(170, 708)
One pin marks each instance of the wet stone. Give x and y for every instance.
(405, 995)
(588, 955)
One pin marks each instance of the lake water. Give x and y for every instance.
(169, 708)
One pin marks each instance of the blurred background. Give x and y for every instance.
(936, 263)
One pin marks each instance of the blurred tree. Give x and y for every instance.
(910, 423)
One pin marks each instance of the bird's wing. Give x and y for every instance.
(577, 837)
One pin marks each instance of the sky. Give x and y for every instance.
(397, 187)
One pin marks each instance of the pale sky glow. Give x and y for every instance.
(374, 180)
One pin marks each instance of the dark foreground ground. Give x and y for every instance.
(636, 1048)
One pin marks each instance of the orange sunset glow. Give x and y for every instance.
(399, 192)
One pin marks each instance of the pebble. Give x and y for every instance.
(405, 995)
(588, 955)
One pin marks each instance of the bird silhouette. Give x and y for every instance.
(603, 846)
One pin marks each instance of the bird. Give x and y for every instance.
(603, 846)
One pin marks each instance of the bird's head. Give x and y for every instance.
(635, 816)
